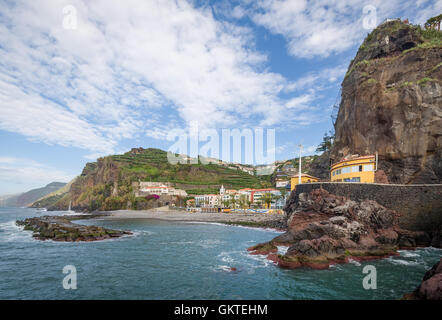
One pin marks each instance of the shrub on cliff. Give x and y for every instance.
(114, 203)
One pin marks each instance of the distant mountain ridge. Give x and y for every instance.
(53, 197)
(28, 198)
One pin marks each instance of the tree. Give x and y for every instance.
(283, 193)
(243, 201)
(433, 23)
(267, 198)
(233, 201)
(327, 142)
(276, 198)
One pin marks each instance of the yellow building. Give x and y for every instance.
(359, 169)
(305, 178)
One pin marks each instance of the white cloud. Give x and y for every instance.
(325, 27)
(108, 79)
(36, 118)
(427, 9)
(310, 150)
(18, 175)
(318, 80)
(300, 102)
(238, 12)
(129, 65)
(8, 160)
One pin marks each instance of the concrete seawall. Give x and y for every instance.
(420, 206)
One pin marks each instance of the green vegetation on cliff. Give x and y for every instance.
(383, 41)
(108, 183)
(153, 165)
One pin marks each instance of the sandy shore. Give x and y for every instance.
(255, 219)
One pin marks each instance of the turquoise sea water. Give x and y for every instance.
(179, 260)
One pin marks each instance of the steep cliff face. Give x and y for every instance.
(392, 103)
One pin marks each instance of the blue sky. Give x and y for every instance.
(83, 79)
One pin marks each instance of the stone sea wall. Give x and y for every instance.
(419, 206)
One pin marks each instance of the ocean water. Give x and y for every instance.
(182, 260)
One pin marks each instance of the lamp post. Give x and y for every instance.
(299, 173)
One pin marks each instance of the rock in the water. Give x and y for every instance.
(431, 286)
(324, 229)
(60, 228)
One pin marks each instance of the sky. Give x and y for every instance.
(84, 79)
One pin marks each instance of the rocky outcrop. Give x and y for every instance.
(431, 286)
(420, 206)
(324, 229)
(320, 167)
(392, 104)
(60, 228)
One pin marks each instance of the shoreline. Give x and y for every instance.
(257, 220)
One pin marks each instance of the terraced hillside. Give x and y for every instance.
(107, 183)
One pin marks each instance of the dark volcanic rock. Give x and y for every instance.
(60, 228)
(392, 104)
(324, 229)
(431, 286)
(320, 167)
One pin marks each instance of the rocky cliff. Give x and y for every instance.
(392, 103)
(320, 167)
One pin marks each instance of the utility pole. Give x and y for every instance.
(299, 173)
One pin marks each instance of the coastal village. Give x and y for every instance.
(374, 191)
(264, 200)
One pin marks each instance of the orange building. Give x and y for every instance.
(360, 169)
(305, 178)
